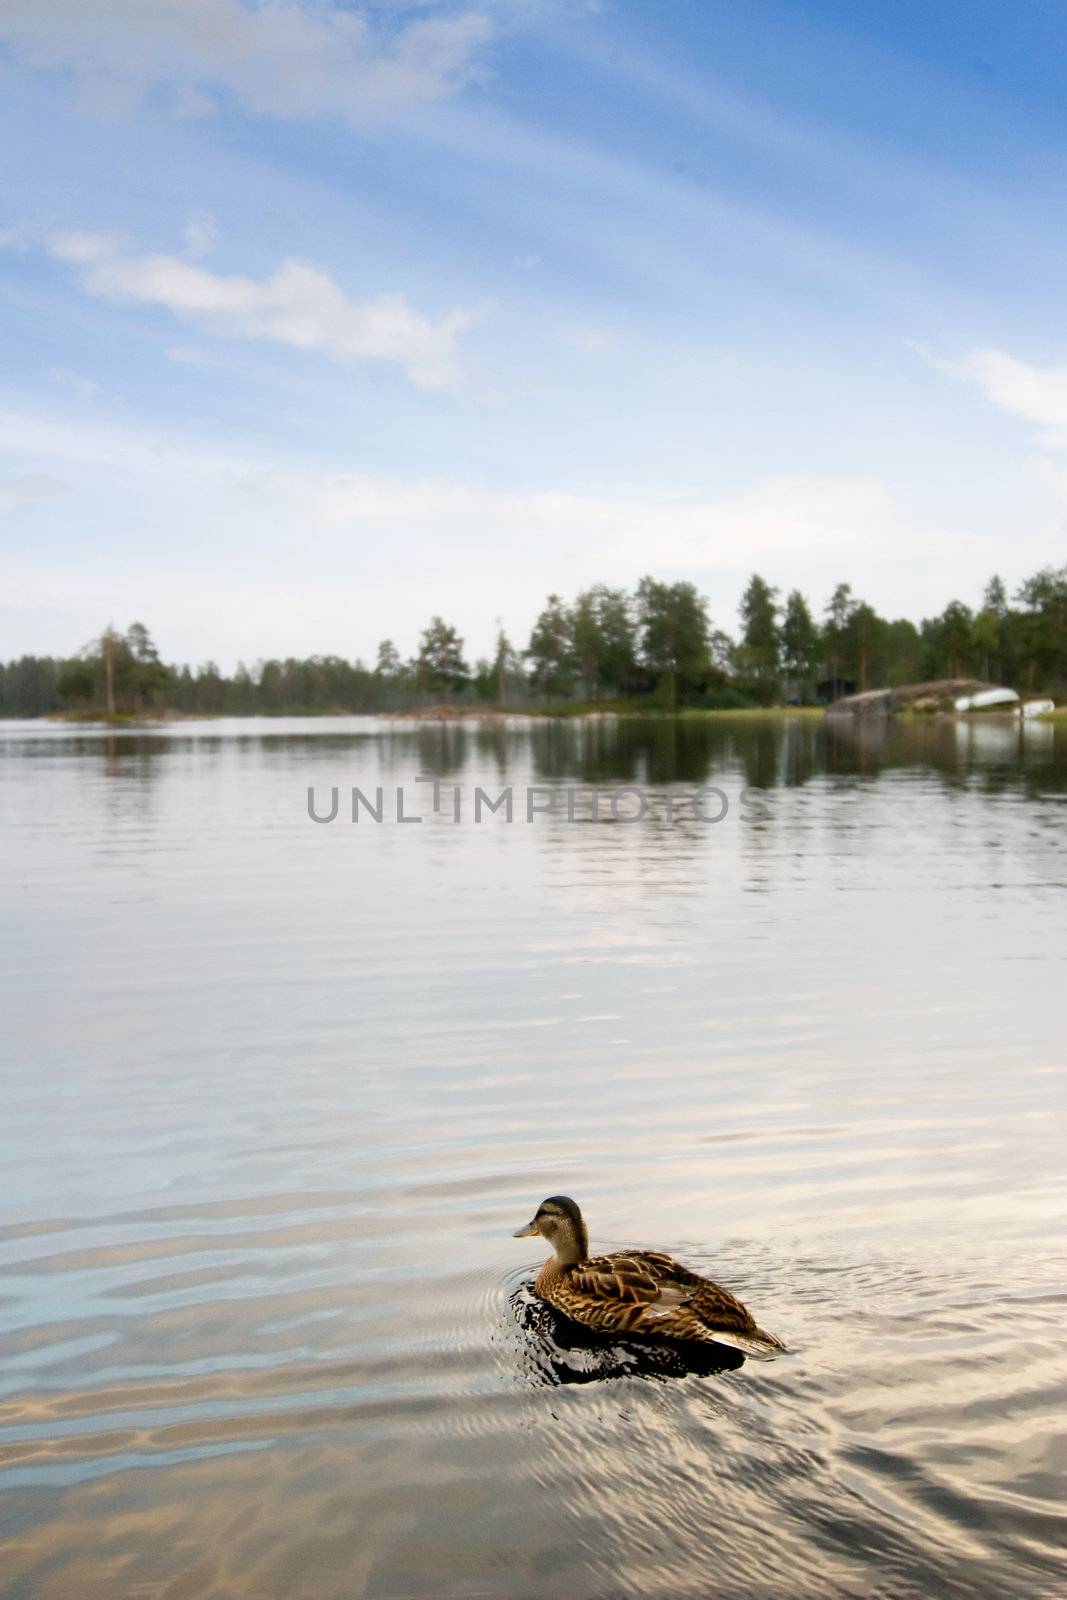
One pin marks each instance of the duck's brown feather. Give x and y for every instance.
(645, 1292)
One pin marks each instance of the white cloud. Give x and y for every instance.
(617, 535)
(289, 58)
(188, 355)
(594, 341)
(620, 535)
(81, 248)
(199, 234)
(29, 488)
(1039, 394)
(298, 306)
(18, 236)
(84, 388)
(332, 560)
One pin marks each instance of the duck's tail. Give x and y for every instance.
(757, 1344)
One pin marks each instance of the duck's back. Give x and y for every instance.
(646, 1292)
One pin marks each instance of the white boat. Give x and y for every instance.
(1037, 708)
(985, 698)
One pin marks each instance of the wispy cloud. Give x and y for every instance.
(84, 388)
(593, 340)
(686, 531)
(297, 305)
(188, 355)
(288, 58)
(199, 234)
(18, 236)
(251, 520)
(29, 488)
(1039, 394)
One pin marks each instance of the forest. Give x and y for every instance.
(654, 646)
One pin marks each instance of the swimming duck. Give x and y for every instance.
(636, 1291)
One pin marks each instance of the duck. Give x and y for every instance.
(642, 1292)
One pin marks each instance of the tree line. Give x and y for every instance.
(656, 643)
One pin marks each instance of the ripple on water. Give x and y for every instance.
(278, 1096)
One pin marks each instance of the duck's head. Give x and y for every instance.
(559, 1220)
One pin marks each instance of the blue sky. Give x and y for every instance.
(318, 319)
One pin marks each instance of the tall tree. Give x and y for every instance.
(602, 639)
(587, 642)
(903, 645)
(1042, 626)
(551, 649)
(111, 646)
(618, 647)
(956, 638)
(760, 639)
(987, 643)
(505, 665)
(838, 610)
(722, 650)
(388, 664)
(863, 638)
(672, 619)
(146, 673)
(801, 646)
(995, 598)
(139, 641)
(439, 665)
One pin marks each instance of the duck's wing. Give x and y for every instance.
(643, 1291)
(629, 1277)
(629, 1291)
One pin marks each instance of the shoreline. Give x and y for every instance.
(495, 715)
(428, 714)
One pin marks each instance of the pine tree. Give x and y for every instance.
(838, 610)
(673, 624)
(551, 649)
(760, 638)
(801, 645)
(388, 664)
(439, 665)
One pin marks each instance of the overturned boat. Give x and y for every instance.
(986, 700)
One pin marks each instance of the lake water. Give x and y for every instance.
(277, 1093)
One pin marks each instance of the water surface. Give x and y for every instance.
(276, 1094)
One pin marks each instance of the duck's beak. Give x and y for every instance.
(525, 1233)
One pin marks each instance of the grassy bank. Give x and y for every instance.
(457, 712)
(648, 708)
(137, 719)
(116, 719)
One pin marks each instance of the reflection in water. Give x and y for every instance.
(766, 753)
(276, 1093)
(560, 1350)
